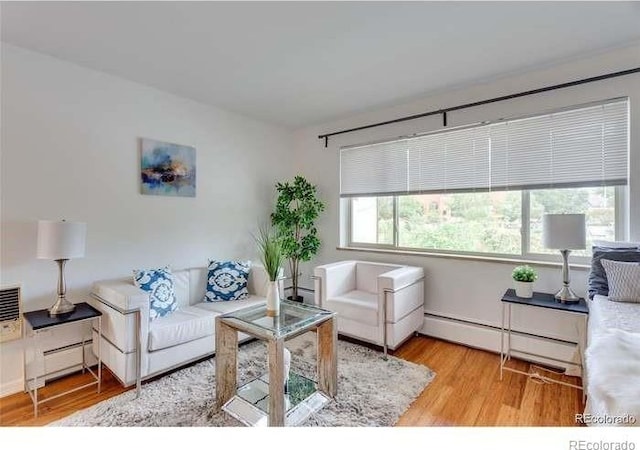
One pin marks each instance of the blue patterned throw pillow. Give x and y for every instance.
(227, 281)
(159, 284)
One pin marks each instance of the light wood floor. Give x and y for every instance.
(466, 391)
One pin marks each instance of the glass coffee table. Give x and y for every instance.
(263, 401)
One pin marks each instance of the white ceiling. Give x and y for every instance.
(300, 63)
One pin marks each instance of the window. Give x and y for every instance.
(482, 223)
(372, 220)
(484, 189)
(598, 205)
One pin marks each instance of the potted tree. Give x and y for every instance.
(297, 209)
(523, 278)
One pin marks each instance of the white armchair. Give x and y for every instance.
(378, 303)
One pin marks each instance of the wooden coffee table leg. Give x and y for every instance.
(226, 362)
(328, 357)
(276, 382)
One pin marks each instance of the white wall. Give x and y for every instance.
(70, 150)
(462, 289)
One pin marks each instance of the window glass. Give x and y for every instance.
(487, 222)
(372, 220)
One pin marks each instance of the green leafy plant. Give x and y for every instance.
(270, 248)
(297, 209)
(525, 274)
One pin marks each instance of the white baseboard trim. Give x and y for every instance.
(11, 387)
(549, 352)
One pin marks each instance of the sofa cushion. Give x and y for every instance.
(359, 306)
(183, 325)
(181, 287)
(227, 307)
(159, 284)
(227, 280)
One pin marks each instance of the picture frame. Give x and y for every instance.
(167, 169)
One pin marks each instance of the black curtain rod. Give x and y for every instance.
(444, 111)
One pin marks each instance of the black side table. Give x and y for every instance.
(39, 321)
(539, 300)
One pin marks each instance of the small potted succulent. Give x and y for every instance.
(523, 278)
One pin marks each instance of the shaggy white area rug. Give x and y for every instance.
(371, 391)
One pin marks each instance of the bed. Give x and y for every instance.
(612, 361)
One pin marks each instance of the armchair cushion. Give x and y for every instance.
(159, 284)
(227, 280)
(359, 306)
(367, 275)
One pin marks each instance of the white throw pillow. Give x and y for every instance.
(624, 280)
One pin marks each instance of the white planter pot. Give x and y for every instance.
(273, 299)
(524, 289)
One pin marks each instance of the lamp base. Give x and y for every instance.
(61, 306)
(566, 295)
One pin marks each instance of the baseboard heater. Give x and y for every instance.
(498, 329)
(531, 347)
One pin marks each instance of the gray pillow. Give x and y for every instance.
(624, 280)
(598, 284)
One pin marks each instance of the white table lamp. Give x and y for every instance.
(61, 241)
(564, 232)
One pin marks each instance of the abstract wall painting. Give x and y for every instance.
(167, 169)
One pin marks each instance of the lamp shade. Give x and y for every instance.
(564, 231)
(61, 239)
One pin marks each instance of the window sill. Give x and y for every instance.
(532, 262)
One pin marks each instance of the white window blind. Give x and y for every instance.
(376, 169)
(583, 146)
(580, 147)
(456, 160)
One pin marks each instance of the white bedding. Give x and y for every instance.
(605, 315)
(612, 358)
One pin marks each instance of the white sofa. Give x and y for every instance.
(378, 303)
(135, 348)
